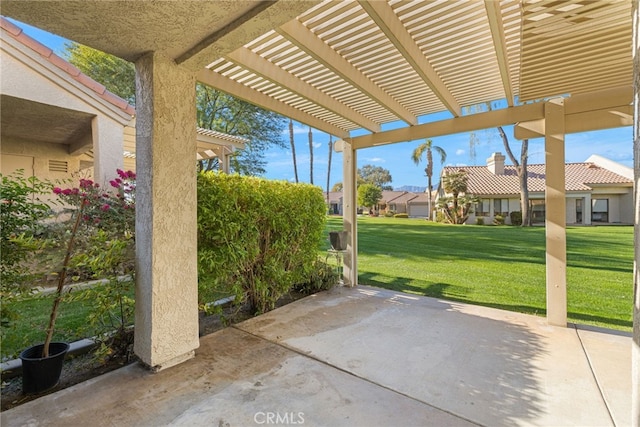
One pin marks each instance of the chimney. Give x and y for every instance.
(495, 163)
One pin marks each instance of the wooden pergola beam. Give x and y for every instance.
(388, 22)
(268, 70)
(304, 39)
(224, 84)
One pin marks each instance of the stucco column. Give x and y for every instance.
(556, 216)
(350, 213)
(108, 137)
(166, 321)
(635, 351)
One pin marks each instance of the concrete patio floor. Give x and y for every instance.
(367, 357)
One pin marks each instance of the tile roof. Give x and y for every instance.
(404, 198)
(16, 33)
(578, 177)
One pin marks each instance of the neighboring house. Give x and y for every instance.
(334, 202)
(387, 202)
(56, 122)
(414, 204)
(598, 190)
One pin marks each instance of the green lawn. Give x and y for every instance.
(34, 318)
(501, 267)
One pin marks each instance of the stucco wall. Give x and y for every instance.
(41, 152)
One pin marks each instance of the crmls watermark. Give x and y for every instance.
(274, 418)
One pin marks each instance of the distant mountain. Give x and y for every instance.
(411, 188)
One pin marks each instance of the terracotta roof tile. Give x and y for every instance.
(16, 33)
(578, 177)
(9, 26)
(420, 198)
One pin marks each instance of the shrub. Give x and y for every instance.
(389, 214)
(255, 236)
(498, 220)
(321, 278)
(20, 217)
(516, 218)
(479, 221)
(401, 215)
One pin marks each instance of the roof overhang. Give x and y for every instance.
(358, 66)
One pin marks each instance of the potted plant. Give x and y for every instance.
(42, 363)
(109, 219)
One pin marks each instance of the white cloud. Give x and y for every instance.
(375, 160)
(317, 145)
(460, 152)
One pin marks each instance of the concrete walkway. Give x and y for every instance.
(366, 357)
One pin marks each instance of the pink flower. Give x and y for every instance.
(105, 207)
(57, 190)
(86, 183)
(66, 191)
(114, 184)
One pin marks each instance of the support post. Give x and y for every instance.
(635, 351)
(108, 140)
(166, 319)
(556, 215)
(350, 214)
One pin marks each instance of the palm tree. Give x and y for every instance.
(329, 166)
(456, 184)
(427, 148)
(293, 149)
(310, 156)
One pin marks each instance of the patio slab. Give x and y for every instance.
(366, 357)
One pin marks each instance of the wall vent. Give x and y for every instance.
(58, 166)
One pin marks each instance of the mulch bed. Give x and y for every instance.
(84, 367)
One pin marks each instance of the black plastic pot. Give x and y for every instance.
(339, 240)
(42, 373)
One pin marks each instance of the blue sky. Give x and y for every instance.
(615, 144)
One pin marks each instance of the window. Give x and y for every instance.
(482, 207)
(600, 210)
(501, 207)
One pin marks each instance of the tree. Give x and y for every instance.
(224, 113)
(337, 187)
(329, 165)
(427, 149)
(521, 167)
(215, 110)
(523, 176)
(456, 208)
(310, 156)
(369, 195)
(375, 175)
(117, 75)
(293, 150)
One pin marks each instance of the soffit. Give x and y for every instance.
(341, 66)
(33, 121)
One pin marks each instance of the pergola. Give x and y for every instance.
(342, 66)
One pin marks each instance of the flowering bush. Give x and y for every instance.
(110, 210)
(103, 220)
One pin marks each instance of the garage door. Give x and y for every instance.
(418, 210)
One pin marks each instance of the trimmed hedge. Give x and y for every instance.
(401, 215)
(257, 237)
